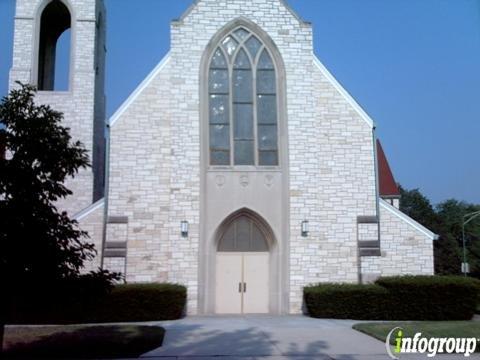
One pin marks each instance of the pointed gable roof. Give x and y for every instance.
(387, 184)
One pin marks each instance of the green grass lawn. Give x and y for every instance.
(428, 329)
(81, 341)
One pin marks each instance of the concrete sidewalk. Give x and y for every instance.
(268, 338)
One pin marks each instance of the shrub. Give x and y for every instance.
(346, 301)
(54, 301)
(142, 302)
(396, 298)
(124, 303)
(432, 297)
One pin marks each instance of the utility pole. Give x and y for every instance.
(466, 219)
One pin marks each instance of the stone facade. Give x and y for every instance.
(406, 247)
(158, 175)
(140, 185)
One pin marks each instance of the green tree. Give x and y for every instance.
(445, 219)
(42, 249)
(451, 215)
(38, 241)
(418, 207)
(447, 256)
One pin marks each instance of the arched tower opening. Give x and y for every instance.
(54, 44)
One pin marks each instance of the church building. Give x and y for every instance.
(239, 167)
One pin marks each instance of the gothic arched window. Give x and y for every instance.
(54, 47)
(243, 126)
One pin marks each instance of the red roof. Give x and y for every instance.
(388, 185)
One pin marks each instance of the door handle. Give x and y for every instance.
(244, 287)
(239, 287)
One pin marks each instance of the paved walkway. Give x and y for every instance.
(268, 338)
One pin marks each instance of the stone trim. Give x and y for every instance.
(117, 220)
(116, 245)
(369, 244)
(367, 219)
(115, 253)
(370, 252)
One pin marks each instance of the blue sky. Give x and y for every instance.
(412, 65)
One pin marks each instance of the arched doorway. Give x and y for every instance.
(243, 267)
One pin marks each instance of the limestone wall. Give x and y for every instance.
(406, 247)
(140, 187)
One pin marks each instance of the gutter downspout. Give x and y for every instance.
(377, 185)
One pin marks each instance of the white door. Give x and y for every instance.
(255, 279)
(242, 283)
(229, 283)
(242, 269)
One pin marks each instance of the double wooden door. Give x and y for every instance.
(242, 283)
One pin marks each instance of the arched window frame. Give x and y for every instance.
(281, 110)
(255, 225)
(36, 44)
(252, 216)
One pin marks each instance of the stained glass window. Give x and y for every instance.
(242, 89)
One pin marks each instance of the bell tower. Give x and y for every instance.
(60, 47)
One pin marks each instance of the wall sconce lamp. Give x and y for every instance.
(184, 228)
(305, 229)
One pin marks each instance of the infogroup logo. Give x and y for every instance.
(430, 346)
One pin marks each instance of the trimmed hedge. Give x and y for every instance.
(345, 301)
(143, 302)
(124, 303)
(432, 297)
(396, 298)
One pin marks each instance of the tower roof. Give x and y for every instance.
(387, 183)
